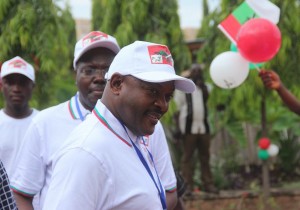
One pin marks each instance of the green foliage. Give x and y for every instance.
(286, 61)
(44, 35)
(220, 181)
(98, 10)
(289, 153)
(153, 21)
(167, 119)
(281, 121)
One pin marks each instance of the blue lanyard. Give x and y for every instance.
(142, 159)
(78, 109)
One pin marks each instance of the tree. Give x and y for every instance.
(98, 13)
(42, 34)
(286, 63)
(154, 21)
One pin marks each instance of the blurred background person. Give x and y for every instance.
(193, 128)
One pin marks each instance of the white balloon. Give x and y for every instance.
(273, 150)
(229, 70)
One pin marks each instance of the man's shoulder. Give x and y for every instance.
(59, 109)
(3, 116)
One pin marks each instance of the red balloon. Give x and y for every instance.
(264, 143)
(258, 40)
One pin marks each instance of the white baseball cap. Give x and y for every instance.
(93, 40)
(149, 62)
(17, 65)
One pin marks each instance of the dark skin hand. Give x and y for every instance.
(272, 80)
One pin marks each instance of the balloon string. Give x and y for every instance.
(257, 67)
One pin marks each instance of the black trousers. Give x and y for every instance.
(191, 144)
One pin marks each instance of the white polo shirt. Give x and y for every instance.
(99, 169)
(44, 136)
(12, 132)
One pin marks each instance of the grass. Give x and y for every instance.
(291, 185)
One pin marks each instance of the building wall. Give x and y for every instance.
(83, 27)
(190, 34)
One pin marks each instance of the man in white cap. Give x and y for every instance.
(107, 163)
(48, 130)
(17, 85)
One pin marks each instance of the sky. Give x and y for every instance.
(190, 12)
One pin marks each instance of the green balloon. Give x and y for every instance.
(233, 48)
(252, 66)
(263, 154)
(255, 65)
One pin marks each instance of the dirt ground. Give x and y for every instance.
(235, 197)
(278, 200)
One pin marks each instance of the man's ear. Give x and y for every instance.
(116, 82)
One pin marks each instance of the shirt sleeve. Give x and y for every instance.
(162, 159)
(29, 176)
(78, 182)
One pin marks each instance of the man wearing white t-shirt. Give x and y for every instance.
(108, 163)
(92, 57)
(17, 85)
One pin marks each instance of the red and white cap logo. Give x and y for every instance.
(160, 54)
(93, 36)
(17, 65)
(93, 40)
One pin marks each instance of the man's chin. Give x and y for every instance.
(18, 106)
(149, 131)
(94, 98)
